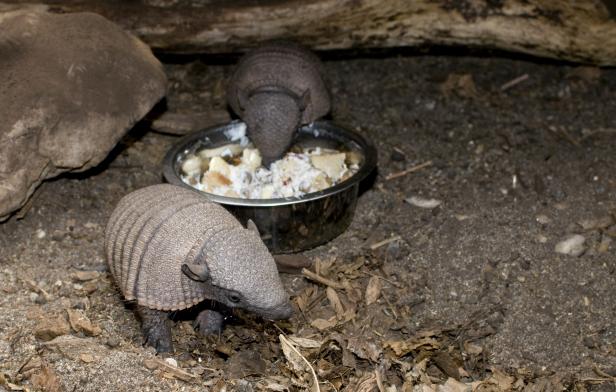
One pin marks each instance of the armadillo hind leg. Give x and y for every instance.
(156, 329)
(208, 322)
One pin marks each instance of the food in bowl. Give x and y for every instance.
(235, 169)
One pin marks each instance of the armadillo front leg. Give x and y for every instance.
(208, 322)
(156, 329)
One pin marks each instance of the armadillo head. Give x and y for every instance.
(272, 117)
(242, 274)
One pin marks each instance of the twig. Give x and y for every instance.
(391, 307)
(320, 279)
(391, 282)
(601, 373)
(377, 245)
(407, 171)
(597, 380)
(37, 289)
(598, 131)
(174, 371)
(513, 82)
(292, 347)
(379, 380)
(564, 134)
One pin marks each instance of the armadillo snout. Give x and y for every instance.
(280, 312)
(272, 119)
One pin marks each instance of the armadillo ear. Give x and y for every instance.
(196, 272)
(250, 225)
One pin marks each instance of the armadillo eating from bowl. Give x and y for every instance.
(275, 89)
(168, 249)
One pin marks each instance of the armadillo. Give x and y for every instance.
(275, 89)
(169, 248)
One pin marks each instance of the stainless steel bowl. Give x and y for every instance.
(288, 224)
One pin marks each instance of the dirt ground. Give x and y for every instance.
(470, 293)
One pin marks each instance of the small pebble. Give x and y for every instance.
(543, 219)
(572, 245)
(172, 362)
(40, 234)
(112, 342)
(423, 203)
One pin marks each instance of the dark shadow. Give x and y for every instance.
(368, 183)
(228, 59)
(611, 6)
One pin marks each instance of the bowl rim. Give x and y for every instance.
(366, 147)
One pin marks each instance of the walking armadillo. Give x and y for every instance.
(168, 248)
(274, 89)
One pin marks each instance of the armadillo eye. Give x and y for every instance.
(235, 298)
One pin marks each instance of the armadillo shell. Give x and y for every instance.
(281, 66)
(151, 233)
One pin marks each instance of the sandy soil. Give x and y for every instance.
(471, 290)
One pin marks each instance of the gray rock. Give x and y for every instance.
(573, 245)
(71, 86)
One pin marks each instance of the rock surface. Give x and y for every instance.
(72, 86)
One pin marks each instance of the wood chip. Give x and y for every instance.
(84, 276)
(335, 302)
(387, 241)
(373, 290)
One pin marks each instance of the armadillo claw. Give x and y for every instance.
(156, 329)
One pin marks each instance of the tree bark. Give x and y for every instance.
(579, 31)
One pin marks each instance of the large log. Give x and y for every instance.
(579, 31)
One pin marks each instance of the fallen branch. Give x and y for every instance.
(536, 27)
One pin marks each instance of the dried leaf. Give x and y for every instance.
(462, 85)
(502, 380)
(304, 342)
(169, 370)
(364, 349)
(300, 365)
(72, 346)
(403, 347)
(365, 383)
(46, 380)
(49, 328)
(472, 348)
(322, 324)
(373, 290)
(335, 302)
(81, 323)
(453, 385)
